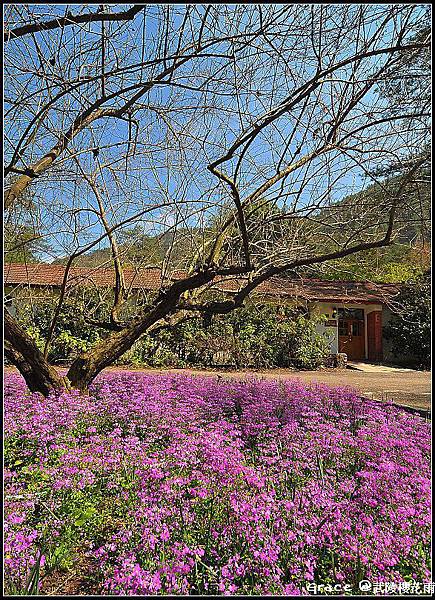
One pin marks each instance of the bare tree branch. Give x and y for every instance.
(71, 19)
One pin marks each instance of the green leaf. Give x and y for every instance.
(84, 516)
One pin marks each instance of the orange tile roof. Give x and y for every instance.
(52, 276)
(332, 291)
(48, 275)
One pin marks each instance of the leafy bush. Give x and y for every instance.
(149, 351)
(409, 329)
(255, 336)
(263, 336)
(72, 334)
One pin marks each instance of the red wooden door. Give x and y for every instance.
(351, 338)
(374, 335)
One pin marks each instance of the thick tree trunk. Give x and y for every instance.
(87, 366)
(22, 352)
(41, 377)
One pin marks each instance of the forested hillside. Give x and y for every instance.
(407, 257)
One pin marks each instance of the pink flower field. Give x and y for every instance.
(175, 484)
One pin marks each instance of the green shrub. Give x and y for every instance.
(258, 337)
(409, 329)
(72, 334)
(254, 336)
(150, 352)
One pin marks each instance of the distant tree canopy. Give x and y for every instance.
(22, 244)
(24, 240)
(408, 83)
(406, 88)
(407, 257)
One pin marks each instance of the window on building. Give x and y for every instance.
(342, 328)
(356, 328)
(351, 313)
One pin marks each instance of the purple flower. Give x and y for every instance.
(200, 486)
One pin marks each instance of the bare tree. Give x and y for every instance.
(171, 117)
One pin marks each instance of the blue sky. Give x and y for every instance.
(156, 175)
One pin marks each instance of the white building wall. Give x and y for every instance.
(330, 333)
